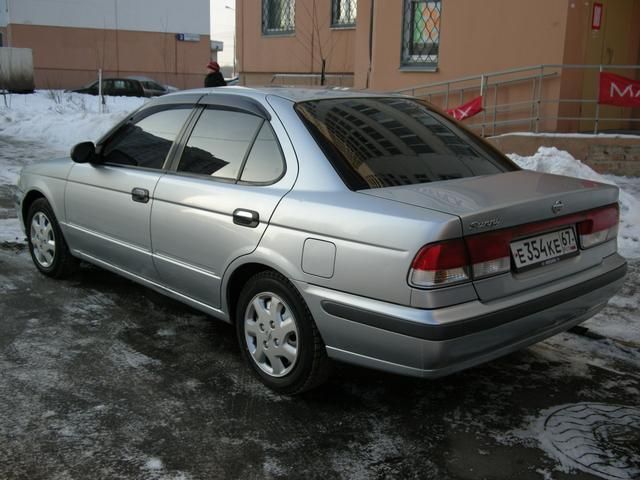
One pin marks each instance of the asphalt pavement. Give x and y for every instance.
(102, 378)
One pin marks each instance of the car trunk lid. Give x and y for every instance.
(515, 207)
(505, 200)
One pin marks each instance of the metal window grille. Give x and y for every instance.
(343, 13)
(421, 32)
(278, 16)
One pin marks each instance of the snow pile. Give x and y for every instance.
(15, 154)
(62, 119)
(552, 160)
(10, 231)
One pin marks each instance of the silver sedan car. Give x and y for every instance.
(330, 225)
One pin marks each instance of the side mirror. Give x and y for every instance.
(84, 152)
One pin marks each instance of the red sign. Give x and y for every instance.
(467, 110)
(596, 16)
(617, 90)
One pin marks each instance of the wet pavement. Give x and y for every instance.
(102, 378)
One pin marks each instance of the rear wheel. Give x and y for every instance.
(47, 246)
(278, 336)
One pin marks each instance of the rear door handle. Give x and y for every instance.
(246, 218)
(140, 195)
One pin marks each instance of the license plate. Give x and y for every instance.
(544, 249)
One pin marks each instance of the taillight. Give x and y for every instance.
(439, 264)
(489, 253)
(486, 254)
(600, 226)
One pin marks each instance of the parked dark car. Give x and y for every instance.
(116, 87)
(151, 87)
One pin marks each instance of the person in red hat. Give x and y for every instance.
(214, 78)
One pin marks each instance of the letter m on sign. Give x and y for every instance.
(618, 90)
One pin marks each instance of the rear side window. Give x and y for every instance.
(384, 142)
(264, 163)
(219, 143)
(233, 146)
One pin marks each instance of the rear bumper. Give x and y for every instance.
(434, 343)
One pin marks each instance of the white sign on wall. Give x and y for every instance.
(187, 37)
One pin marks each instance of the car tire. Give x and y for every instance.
(278, 337)
(47, 246)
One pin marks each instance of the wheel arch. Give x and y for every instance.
(240, 271)
(236, 280)
(31, 196)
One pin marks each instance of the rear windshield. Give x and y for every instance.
(384, 142)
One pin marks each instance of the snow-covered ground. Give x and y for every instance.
(10, 231)
(62, 119)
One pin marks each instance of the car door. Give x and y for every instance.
(108, 203)
(133, 88)
(108, 88)
(217, 203)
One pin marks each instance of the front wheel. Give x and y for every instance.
(278, 336)
(47, 246)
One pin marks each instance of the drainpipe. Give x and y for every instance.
(9, 39)
(115, 5)
(370, 41)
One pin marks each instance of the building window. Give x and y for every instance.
(343, 13)
(421, 32)
(278, 16)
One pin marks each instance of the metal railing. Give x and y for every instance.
(533, 98)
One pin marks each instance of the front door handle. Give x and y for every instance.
(140, 195)
(246, 218)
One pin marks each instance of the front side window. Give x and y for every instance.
(385, 142)
(343, 13)
(147, 142)
(278, 16)
(421, 32)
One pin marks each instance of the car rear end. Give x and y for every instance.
(534, 255)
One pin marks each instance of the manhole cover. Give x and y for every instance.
(598, 438)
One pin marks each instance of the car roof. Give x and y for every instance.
(293, 94)
(142, 79)
(115, 78)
